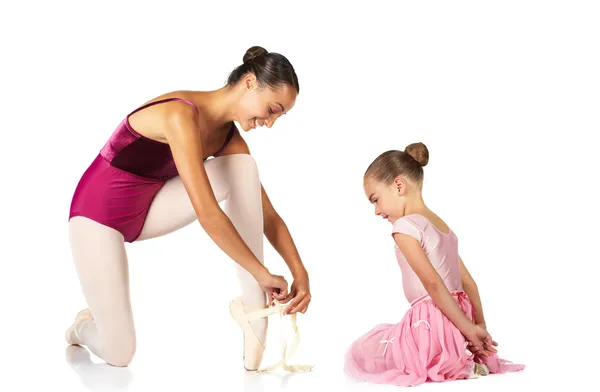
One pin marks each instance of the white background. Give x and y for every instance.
(505, 95)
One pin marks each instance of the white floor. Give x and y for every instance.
(227, 377)
(182, 360)
(72, 369)
(186, 339)
(504, 94)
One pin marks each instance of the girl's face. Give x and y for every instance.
(388, 199)
(262, 106)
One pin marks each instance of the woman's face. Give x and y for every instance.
(262, 106)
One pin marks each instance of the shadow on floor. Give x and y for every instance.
(97, 376)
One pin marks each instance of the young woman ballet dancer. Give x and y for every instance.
(443, 336)
(153, 177)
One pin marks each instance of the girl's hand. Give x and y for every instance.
(481, 343)
(494, 344)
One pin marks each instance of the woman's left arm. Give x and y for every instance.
(279, 237)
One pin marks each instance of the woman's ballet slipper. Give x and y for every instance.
(71, 333)
(253, 348)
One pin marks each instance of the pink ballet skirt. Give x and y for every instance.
(424, 346)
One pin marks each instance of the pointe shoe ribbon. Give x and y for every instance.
(238, 311)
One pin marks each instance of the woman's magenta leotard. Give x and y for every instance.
(118, 187)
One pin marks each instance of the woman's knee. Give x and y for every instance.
(228, 173)
(121, 354)
(239, 163)
(244, 167)
(245, 159)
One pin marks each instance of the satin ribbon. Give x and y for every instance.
(286, 352)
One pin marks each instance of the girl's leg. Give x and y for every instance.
(107, 328)
(235, 180)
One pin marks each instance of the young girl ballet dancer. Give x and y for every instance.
(443, 336)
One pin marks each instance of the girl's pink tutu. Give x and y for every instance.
(424, 346)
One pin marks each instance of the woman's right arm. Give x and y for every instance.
(186, 146)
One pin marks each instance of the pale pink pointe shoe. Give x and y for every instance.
(253, 348)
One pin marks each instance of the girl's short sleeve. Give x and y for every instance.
(407, 227)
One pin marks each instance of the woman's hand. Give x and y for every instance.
(300, 293)
(275, 286)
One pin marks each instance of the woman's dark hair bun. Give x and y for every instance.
(254, 52)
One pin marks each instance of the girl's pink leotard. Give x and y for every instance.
(118, 187)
